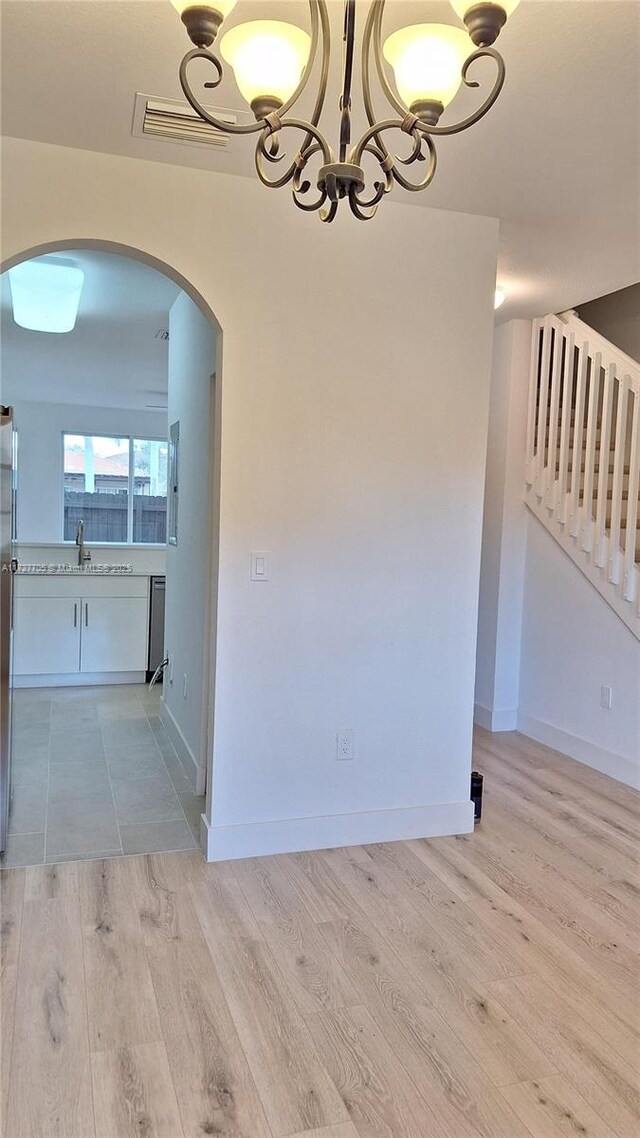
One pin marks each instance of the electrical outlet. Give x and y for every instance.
(184, 685)
(170, 669)
(345, 746)
(606, 697)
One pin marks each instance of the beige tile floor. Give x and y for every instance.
(95, 774)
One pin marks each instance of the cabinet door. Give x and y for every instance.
(46, 636)
(114, 634)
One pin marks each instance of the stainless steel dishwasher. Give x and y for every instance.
(156, 625)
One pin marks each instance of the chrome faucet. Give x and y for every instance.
(84, 555)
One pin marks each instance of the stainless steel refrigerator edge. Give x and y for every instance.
(7, 566)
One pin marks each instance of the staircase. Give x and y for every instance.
(583, 455)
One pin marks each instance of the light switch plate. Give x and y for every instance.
(606, 697)
(260, 566)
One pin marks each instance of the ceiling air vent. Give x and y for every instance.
(178, 122)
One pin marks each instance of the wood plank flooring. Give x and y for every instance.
(485, 986)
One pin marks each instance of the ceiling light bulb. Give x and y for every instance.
(484, 19)
(45, 295)
(221, 6)
(427, 61)
(500, 298)
(268, 58)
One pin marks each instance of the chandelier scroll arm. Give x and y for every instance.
(380, 188)
(327, 215)
(375, 42)
(300, 189)
(419, 138)
(371, 28)
(359, 211)
(314, 143)
(475, 117)
(409, 125)
(224, 127)
(408, 122)
(319, 28)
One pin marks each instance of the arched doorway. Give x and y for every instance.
(207, 558)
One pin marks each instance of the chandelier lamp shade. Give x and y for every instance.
(273, 63)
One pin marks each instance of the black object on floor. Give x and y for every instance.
(477, 781)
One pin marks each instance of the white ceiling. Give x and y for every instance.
(557, 158)
(113, 357)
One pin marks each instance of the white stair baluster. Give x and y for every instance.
(560, 500)
(586, 534)
(615, 551)
(543, 397)
(536, 351)
(630, 581)
(600, 555)
(577, 441)
(559, 347)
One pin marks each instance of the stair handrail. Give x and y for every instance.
(611, 353)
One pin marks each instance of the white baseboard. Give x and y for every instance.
(495, 720)
(291, 835)
(196, 774)
(79, 679)
(203, 836)
(607, 762)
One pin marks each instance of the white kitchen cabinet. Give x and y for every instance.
(74, 628)
(46, 638)
(114, 634)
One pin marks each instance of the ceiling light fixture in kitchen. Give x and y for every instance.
(45, 294)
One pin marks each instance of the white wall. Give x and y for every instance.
(40, 427)
(572, 643)
(192, 360)
(617, 318)
(503, 533)
(354, 404)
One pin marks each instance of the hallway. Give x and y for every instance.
(95, 774)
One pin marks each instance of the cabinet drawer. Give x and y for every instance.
(56, 587)
(114, 587)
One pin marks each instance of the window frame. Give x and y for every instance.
(130, 486)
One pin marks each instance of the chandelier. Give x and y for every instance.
(273, 61)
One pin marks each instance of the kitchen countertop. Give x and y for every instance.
(90, 570)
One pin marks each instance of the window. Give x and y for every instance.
(117, 486)
(149, 491)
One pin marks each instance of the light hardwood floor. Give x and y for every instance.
(484, 986)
